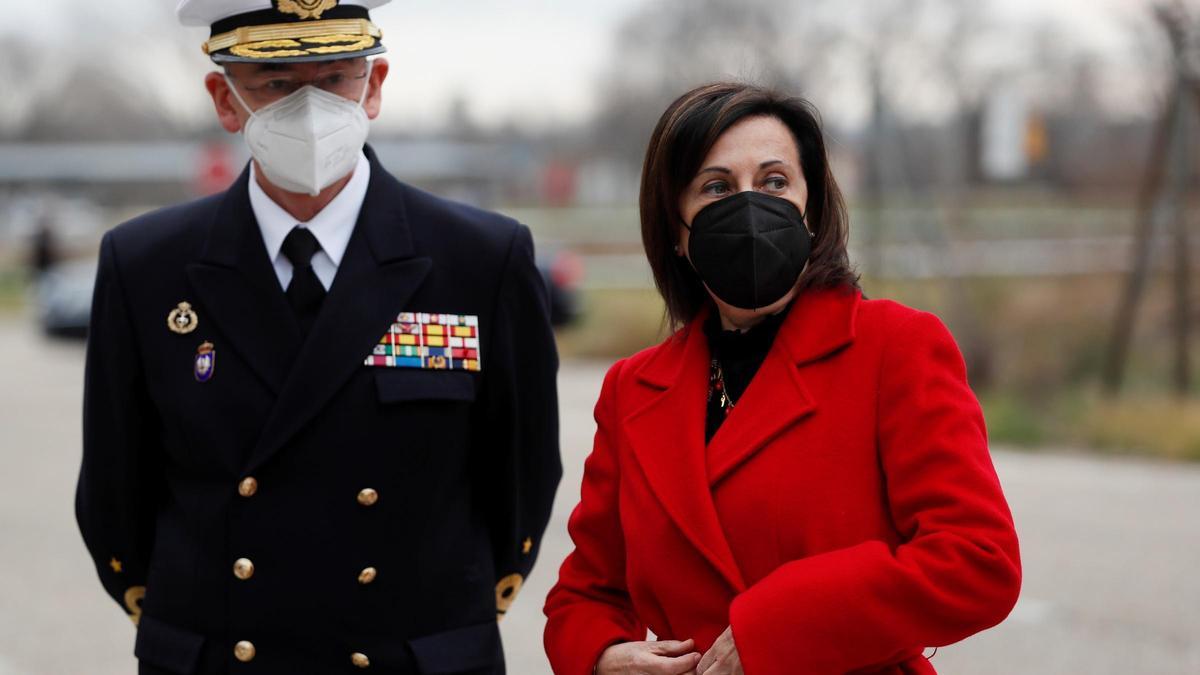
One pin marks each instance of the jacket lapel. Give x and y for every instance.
(667, 437)
(237, 286)
(819, 324)
(375, 280)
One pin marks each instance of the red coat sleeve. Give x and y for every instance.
(958, 570)
(589, 608)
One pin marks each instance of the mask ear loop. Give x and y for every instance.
(367, 85)
(241, 101)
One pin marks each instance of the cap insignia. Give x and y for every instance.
(306, 9)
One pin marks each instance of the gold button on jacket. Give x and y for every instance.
(367, 575)
(244, 651)
(368, 497)
(360, 660)
(243, 568)
(248, 486)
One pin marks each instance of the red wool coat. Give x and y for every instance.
(845, 516)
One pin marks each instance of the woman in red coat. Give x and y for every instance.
(797, 480)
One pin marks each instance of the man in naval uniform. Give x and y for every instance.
(320, 420)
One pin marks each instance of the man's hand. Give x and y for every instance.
(722, 658)
(665, 657)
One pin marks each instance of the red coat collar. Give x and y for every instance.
(820, 323)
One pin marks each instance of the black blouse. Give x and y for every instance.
(736, 356)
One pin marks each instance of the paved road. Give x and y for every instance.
(1111, 547)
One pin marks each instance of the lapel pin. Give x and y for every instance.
(182, 320)
(206, 362)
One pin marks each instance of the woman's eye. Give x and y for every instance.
(777, 183)
(716, 189)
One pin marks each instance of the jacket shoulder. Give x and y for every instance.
(435, 219)
(161, 232)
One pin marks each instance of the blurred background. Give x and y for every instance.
(1024, 168)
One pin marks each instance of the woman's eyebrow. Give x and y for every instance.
(770, 162)
(714, 169)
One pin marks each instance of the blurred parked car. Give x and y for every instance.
(562, 270)
(64, 292)
(63, 297)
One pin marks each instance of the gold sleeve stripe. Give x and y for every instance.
(506, 593)
(291, 31)
(133, 602)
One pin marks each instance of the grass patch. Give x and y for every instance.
(14, 289)
(615, 323)
(1145, 424)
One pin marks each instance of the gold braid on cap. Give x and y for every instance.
(291, 31)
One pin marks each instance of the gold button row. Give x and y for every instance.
(243, 568)
(248, 487)
(245, 652)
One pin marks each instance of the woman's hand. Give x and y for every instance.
(665, 657)
(722, 658)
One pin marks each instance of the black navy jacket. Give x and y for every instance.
(465, 465)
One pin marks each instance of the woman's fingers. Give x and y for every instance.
(721, 647)
(680, 665)
(672, 647)
(666, 657)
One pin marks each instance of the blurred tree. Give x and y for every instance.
(17, 79)
(669, 46)
(97, 104)
(1166, 201)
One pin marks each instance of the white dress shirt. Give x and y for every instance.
(332, 226)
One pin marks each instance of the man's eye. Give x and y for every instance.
(277, 85)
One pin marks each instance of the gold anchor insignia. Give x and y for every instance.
(306, 9)
(182, 320)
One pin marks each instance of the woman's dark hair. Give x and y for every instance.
(684, 136)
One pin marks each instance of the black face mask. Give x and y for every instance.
(749, 248)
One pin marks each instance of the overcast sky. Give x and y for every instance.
(537, 61)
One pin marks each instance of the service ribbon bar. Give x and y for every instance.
(430, 342)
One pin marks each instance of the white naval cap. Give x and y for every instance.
(285, 30)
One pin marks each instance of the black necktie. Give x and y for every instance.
(305, 293)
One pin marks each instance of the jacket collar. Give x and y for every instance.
(378, 274)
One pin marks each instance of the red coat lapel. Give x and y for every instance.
(667, 437)
(667, 431)
(820, 323)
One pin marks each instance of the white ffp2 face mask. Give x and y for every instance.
(308, 140)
